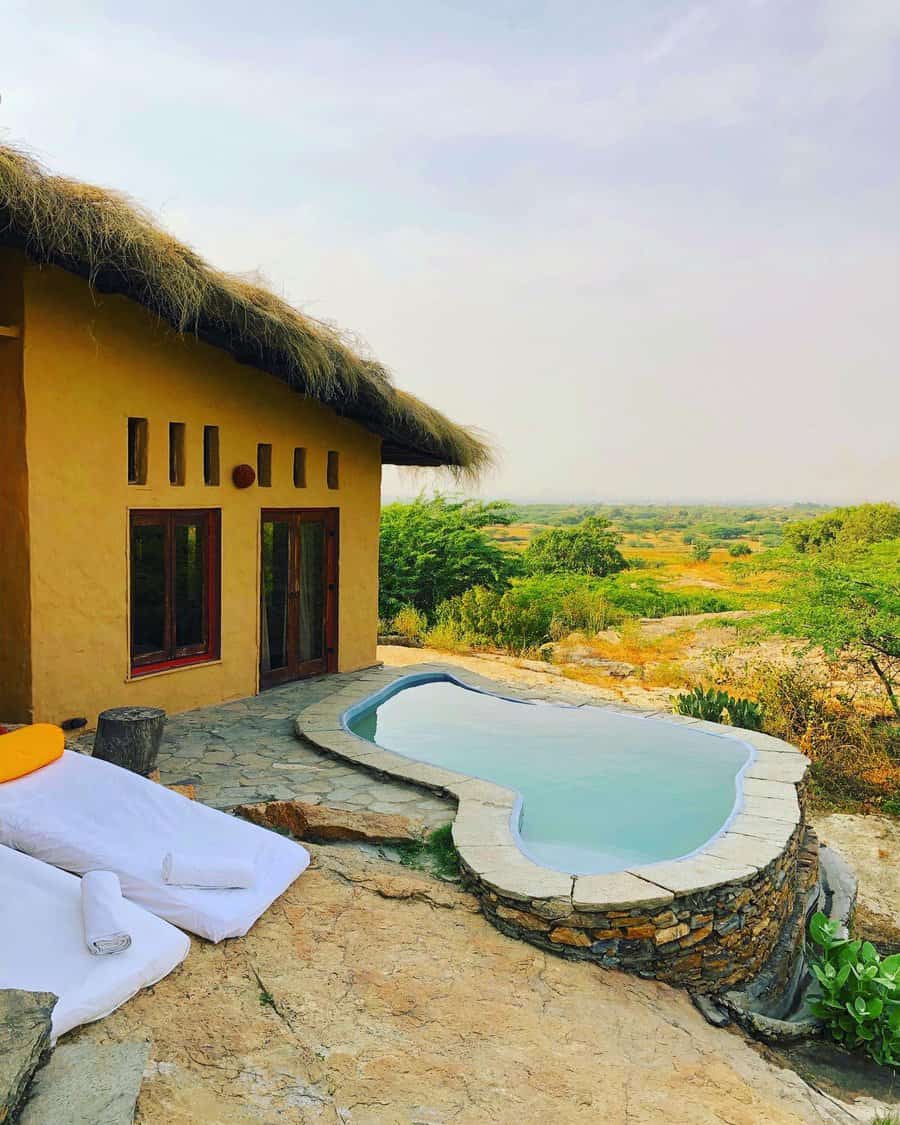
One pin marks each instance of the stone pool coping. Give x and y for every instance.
(767, 818)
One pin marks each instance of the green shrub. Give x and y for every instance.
(715, 706)
(445, 635)
(548, 607)
(744, 713)
(431, 549)
(700, 551)
(736, 550)
(642, 596)
(848, 527)
(532, 611)
(860, 1002)
(587, 548)
(410, 622)
(436, 853)
(708, 705)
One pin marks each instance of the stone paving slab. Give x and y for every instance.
(619, 890)
(696, 873)
(87, 1084)
(24, 1037)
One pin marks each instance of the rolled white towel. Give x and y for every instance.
(101, 913)
(194, 869)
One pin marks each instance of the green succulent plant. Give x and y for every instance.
(713, 706)
(860, 1000)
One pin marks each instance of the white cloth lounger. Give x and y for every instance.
(82, 814)
(42, 946)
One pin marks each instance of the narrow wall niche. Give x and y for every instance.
(264, 465)
(177, 471)
(333, 470)
(299, 467)
(211, 474)
(137, 450)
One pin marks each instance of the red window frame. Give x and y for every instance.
(171, 655)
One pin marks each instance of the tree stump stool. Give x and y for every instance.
(130, 737)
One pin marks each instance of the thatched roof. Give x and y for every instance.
(119, 248)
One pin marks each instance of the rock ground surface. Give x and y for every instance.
(871, 845)
(547, 680)
(377, 995)
(321, 823)
(84, 1084)
(371, 994)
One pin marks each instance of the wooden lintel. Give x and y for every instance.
(10, 330)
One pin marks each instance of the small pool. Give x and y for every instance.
(600, 791)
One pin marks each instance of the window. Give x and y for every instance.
(210, 454)
(137, 450)
(332, 472)
(299, 468)
(174, 588)
(264, 465)
(176, 453)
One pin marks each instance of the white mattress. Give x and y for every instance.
(42, 944)
(81, 814)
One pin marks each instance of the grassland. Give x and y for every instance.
(835, 714)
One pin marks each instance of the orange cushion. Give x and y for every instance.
(26, 750)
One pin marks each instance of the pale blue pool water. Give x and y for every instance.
(600, 791)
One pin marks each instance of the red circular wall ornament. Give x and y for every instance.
(243, 476)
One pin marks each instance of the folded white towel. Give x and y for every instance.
(101, 913)
(193, 869)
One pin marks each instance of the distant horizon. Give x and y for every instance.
(463, 493)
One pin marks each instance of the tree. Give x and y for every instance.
(588, 548)
(847, 599)
(433, 549)
(845, 527)
(701, 550)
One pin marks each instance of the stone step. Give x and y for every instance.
(87, 1084)
(24, 1039)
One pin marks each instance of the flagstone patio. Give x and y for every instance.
(247, 751)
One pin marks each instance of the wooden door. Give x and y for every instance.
(298, 594)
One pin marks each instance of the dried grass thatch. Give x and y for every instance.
(119, 248)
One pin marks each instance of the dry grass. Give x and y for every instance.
(630, 643)
(118, 247)
(658, 660)
(445, 639)
(410, 622)
(855, 756)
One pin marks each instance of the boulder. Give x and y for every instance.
(400, 640)
(320, 823)
(618, 668)
(24, 1037)
(186, 790)
(87, 1084)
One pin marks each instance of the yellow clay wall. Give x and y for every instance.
(90, 362)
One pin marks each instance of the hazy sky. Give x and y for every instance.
(651, 248)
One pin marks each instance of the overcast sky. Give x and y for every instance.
(650, 248)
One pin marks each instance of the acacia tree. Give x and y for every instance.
(433, 549)
(588, 548)
(845, 527)
(847, 599)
